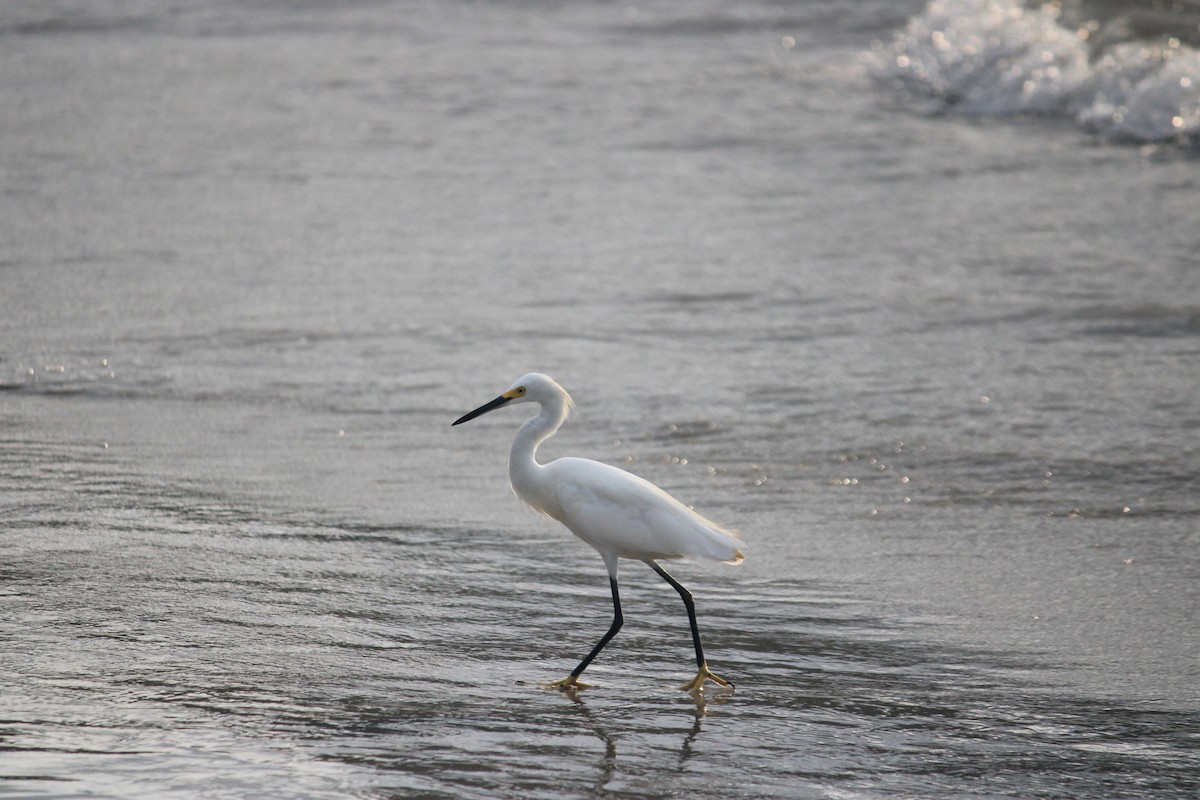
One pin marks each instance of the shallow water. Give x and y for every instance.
(939, 369)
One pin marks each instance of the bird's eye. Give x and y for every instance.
(520, 390)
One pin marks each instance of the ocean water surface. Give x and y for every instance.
(908, 294)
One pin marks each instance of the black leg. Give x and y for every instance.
(691, 609)
(618, 620)
(702, 672)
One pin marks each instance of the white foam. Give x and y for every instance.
(1000, 58)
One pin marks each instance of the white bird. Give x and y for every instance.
(616, 512)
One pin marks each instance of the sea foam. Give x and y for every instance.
(1003, 58)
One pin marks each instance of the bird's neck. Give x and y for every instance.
(523, 468)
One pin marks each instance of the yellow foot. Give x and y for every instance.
(696, 684)
(567, 684)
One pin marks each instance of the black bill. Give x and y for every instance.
(483, 409)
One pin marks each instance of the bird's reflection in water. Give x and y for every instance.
(608, 766)
(699, 710)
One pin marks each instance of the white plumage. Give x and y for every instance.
(650, 523)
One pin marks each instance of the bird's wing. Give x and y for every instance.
(618, 512)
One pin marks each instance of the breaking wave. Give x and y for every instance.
(1005, 58)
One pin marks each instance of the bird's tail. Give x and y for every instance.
(723, 544)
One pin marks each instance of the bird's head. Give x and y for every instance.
(532, 388)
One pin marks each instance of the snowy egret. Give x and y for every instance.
(616, 512)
